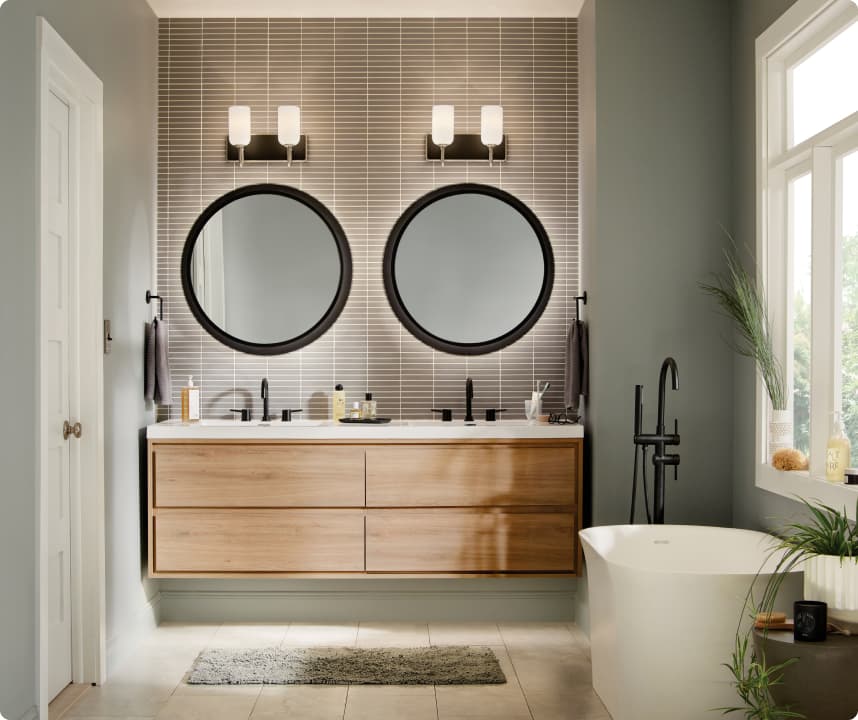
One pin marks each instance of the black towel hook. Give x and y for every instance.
(150, 297)
(579, 299)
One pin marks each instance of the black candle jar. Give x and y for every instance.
(811, 620)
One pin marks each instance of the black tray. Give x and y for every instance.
(366, 421)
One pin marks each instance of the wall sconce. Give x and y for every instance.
(239, 129)
(443, 127)
(287, 145)
(289, 128)
(443, 144)
(491, 128)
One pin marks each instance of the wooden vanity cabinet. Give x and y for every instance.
(332, 508)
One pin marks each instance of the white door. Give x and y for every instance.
(71, 467)
(58, 244)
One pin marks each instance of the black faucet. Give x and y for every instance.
(266, 417)
(469, 398)
(660, 440)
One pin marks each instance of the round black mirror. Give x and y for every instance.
(266, 269)
(468, 269)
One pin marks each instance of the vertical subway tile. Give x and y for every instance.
(366, 88)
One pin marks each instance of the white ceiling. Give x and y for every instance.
(367, 8)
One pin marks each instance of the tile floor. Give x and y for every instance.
(547, 666)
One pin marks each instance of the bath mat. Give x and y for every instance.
(452, 665)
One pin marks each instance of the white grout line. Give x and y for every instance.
(215, 375)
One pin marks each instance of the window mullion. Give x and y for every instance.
(824, 371)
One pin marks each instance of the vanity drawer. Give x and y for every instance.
(258, 541)
(469, 541)
(471, 476)
(245, 475)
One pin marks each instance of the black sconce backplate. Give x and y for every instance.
(465, 147)
(267, 148)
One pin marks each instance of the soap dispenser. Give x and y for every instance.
(338, 403)
(190, 402)
(837, 456)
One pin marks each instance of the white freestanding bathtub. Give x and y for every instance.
(665, 602)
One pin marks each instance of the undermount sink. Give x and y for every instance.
(461, 423)
(260, 423)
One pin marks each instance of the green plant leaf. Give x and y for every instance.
(740, 297)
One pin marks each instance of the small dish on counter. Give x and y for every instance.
(365, 421)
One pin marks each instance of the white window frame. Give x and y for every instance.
(799, 32)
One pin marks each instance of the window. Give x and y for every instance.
(823, 87)
(800, 208)
(848, 202)
(807, 66)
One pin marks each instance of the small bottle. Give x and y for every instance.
(354, 413)
(837, 457)
(338, 410)
(190, 402)
(368, 408)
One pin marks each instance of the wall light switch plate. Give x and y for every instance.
(108, 340)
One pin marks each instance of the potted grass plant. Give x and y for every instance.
(740, 297)
(826, 549)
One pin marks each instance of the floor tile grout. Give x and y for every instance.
(516, 638)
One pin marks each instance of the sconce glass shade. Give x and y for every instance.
(289, 125)
(443, 124)
(239, 125)
(491, 125)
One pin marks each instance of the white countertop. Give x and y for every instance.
(329, 430)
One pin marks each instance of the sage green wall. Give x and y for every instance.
(752, 508)
(662, 188)
(118, 40)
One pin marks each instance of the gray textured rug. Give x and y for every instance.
(348, 666)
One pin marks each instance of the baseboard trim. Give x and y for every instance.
(123, 644)
(373, 605)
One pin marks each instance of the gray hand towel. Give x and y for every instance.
(163, 381)
(149, 368)
(577, 378)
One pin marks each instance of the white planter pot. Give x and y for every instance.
(828, 579)
(780, 431)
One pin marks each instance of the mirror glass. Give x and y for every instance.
(266, 269)
(469, 269)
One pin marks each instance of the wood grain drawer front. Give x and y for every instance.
(260, 541)
(449, 541)
(227, 475)
(470, 476)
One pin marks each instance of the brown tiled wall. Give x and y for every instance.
(366, 88)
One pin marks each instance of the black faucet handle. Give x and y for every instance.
(288, 413)
(446, 414)
(245, 414)
(492, 414)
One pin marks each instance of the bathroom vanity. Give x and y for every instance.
(232, 499)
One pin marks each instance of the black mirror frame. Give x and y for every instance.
(414, 327)
(331, 314)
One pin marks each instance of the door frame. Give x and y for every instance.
(62, 72)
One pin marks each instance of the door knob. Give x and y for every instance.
(69, 429)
